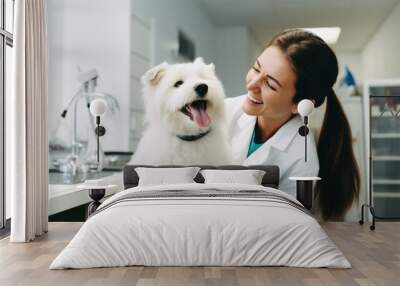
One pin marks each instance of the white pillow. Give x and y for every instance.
(248, 177)
(162, 176)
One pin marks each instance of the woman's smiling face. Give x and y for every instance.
(271, 86)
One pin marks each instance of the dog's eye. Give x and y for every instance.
(178, 83)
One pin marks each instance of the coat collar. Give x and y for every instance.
(282, 138)
(285, 135)
(279, 141)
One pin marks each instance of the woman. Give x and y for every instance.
(264, 123)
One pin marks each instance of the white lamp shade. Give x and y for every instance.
(98, 107)
(305, 107)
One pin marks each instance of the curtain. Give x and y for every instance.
(26, 123)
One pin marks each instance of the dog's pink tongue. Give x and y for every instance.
(200, 116)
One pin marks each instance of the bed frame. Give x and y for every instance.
(304, 187)
(270, 179)
(131, 179)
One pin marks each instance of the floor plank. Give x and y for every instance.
(374, 255)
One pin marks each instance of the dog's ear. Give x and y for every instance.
(199, 60)
(154, 75)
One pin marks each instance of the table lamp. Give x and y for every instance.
(304, 185)
(305, 108)
(98, 108)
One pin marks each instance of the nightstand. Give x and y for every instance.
(97, 190)
(96, 195)
(304, 190)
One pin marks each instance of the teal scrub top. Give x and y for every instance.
(253, 144)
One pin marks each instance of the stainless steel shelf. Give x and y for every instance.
(382, 105)
(385, 115)
(386, 158)
(385, 182)
(386, 195)
(385, 135)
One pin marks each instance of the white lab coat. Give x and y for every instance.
(284, 149)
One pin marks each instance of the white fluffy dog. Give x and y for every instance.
(185, 122)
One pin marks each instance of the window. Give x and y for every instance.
(6, 43)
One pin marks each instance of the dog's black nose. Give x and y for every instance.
(201, 89)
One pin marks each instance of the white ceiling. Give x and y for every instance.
(359, 19)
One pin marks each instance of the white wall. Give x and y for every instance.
(255, 48)
(232, 58)
(172, 15)
(354, 61)
(91, 34)
(381, 54)
(232, 49)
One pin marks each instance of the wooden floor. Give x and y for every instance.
(374, 255)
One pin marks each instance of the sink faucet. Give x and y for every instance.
(87, 91)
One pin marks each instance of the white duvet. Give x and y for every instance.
(227, 231)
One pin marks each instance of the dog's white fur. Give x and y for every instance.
(159, 144)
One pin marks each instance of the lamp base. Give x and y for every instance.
(96, 195)
(305, 190)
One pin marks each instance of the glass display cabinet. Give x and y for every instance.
(382, 123)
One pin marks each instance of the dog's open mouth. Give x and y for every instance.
(197, 111)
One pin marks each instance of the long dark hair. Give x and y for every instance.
(316, 69)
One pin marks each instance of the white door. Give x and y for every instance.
(141, 58)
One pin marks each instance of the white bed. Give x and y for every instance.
(250, 225)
